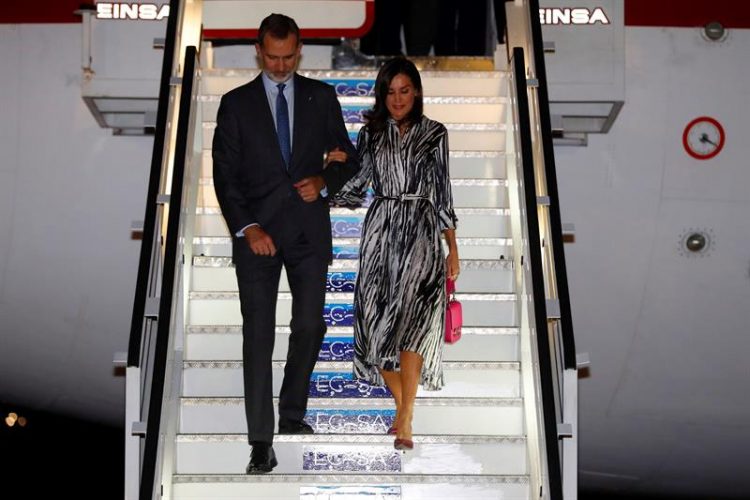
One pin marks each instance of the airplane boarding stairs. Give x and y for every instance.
(470, 437)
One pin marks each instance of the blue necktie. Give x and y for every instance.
(282, 125)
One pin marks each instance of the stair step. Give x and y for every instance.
(361, 211)
(463, 164)
(360, 83)
(468, 194)
(216, 346)
(443, 109)
(348, 248)
(212, 274)
(479, 137)
(441, 416)
(363, 454)
(492, 223)
(223, 308)
(336, 380)
(350, 486)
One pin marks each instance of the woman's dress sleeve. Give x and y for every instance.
(355, 190)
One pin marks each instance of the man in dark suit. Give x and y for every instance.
(268, 154)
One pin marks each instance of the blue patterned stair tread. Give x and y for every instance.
(350, 421)
(339, 314)
(352, 87)
(337, 349)
(343, 385)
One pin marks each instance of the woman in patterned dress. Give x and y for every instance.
(399, 299)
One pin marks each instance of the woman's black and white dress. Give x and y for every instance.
(399, 299)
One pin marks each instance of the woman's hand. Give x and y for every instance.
(335, 154)
(452, 267)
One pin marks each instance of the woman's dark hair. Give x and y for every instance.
(377, 117)
(278, 26)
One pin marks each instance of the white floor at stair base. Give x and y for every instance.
(228, 346)
(499, 417)
(224, 310)
(228, 454)
(334, 380)
(419, 487)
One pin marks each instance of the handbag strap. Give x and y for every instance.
(450, 286)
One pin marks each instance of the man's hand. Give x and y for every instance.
(259, 241)
(309, 188)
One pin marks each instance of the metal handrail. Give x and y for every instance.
(546, 377)
(545, 124)
(148, 261)
(170, 275)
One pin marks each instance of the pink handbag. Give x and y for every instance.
(453, 314)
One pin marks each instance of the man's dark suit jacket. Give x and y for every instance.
(250, 178)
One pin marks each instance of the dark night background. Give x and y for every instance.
(67, 457)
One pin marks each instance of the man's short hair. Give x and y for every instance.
(278, 26)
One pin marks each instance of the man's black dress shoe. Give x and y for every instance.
(262, 459)
(287, 426)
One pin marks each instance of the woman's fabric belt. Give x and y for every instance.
(403, 197)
